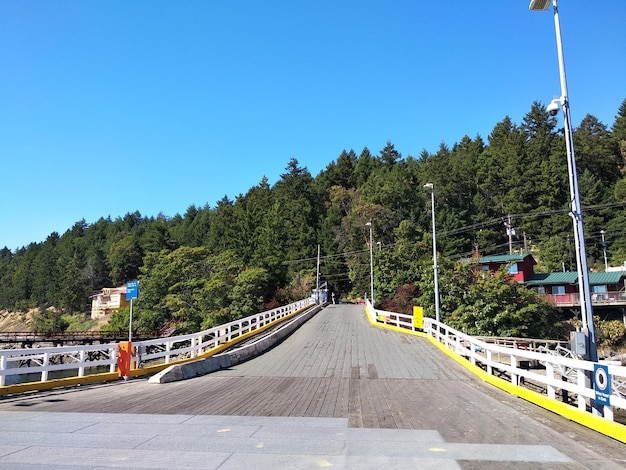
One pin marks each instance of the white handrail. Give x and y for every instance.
(82, 360)
(516, 363)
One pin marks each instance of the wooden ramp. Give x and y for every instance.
(339, 366)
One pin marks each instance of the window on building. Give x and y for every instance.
(558, 290)
(513, 269)
(600, 289)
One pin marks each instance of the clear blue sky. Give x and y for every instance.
(108, 107)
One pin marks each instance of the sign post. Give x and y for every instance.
(132, 292)
(125, 348)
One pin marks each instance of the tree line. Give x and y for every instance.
(213, 264)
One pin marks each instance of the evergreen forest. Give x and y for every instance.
(212, 264)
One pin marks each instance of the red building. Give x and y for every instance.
(520, 267)
(608, 289)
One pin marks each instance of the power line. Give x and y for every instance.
(487, 223)
(326, 257)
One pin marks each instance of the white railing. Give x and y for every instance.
(193, 345)
(43, 364)
(598, 299)
(550, 371)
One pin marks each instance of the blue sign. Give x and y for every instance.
(132, 290)
(602, 384)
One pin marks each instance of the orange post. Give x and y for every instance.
(124, 358)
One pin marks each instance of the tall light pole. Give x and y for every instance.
(369, 224)
(435, 266)
(606, 261)
(586, 309)
(317, 290)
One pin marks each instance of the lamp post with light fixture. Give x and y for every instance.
(606, 261)
(586, 309)
(369, 224)
(435, 266)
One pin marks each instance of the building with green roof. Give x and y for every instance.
(608, 289)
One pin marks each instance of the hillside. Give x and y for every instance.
(365, 222)
(17, 321)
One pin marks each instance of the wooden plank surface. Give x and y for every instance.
(338, 365)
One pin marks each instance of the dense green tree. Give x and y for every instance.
(364, 167)
(251, 212)
(596, 150)
(73, 285)
(461, 182)
(260, 248)
(20, 279)
(298, 209)
(494, 305)
(554, 250)
(339, 173)
(389, 155)
(119, 321)
(50, 321)
(248, 291)
(45, 272)
(125, 258)
(542, 168)
(223, 230)
(618, 133)
(491, 174)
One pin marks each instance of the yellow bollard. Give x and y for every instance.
(418, 317)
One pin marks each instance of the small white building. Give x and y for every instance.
(616, 268)
(107, 301)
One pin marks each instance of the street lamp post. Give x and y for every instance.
(369, 224)
(586, 309)
(606, 262)
(435, 266)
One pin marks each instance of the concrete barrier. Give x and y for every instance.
(225, 360)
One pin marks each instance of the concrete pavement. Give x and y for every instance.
(32, 440)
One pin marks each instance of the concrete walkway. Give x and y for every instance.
(338, 393)
(94, 441)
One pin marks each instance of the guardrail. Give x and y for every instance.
(598, 299)
(31, 337)
(43, 364)
(553, 372)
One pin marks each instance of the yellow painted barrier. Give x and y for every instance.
(418, 317)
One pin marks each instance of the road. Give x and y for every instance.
(338, 392)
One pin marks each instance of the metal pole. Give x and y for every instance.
(317, 294)
(586, 308)
(606, 262)
(130, 322)
(510, 232)
(371, 264)
(435, 265)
